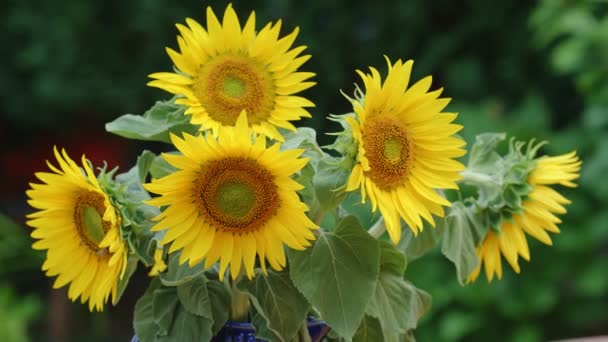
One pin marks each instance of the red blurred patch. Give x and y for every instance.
(19, 163)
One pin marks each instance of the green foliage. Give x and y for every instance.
(347, 263)
(193, 311)
(464, 231)
(276, 299)
(16, 312)
(156, 124)
(396, 303)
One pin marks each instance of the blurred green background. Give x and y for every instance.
(532, 69)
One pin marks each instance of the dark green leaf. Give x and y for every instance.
(143, 318)
(391, 259)
(179, 274)
(338, 274)
(219, 297)
(369, 330)
(165, 302)
(194, 297)
(132, 262)
(188, 327)
(276, 298)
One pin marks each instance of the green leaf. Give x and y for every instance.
(369, 330)
(143, 318)
(303, 138)
(156, 124)
(160, 168)
(122, 283)
(179, 274)
(219, 298)
(329, 183)
(463, 232)
(261, 327)
(188, 327)
(415, 246)
(194, 297)
(391, 259)
(276, 298)
(483, 152)
(338, 274)
(164, 303)
(396, 303)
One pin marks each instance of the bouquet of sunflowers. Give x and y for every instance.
(249, 220)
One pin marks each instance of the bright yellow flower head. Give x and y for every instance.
(536, 219)
(405, 148)
(232, 199)
(225, 70)
(79, 228)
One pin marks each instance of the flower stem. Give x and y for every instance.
(239, 306)
(475, 177)
(378, 228)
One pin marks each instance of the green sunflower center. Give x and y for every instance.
(388, 150)
(234, 87)
(392, 150)
(230, 84)
(235, 199)
(88, 218)
(236, 194)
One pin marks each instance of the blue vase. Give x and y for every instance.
(234, 331)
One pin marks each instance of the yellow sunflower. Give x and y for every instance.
(232, 199)
(226, 70)
(79, 228)
(405, 148)
(536, 219)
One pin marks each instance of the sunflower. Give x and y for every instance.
(536, 219)
(405, 148)
(79, 228)
(232, 199)
(226, 70)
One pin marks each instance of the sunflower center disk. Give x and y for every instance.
(235, 199)
(230, 84)
(388, 150)
(88, 213)
(236, 194)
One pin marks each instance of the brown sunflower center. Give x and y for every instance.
(388, 150)
(88, 218)
(236, 194)
(229, 84)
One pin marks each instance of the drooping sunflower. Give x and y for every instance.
(226, 69)
(536, 219)
(405, 148)
(232, 199)
(79, 228)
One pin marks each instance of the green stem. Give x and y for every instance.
(239, 306)
(303, 334)
(475, 177)
(319, 217)
(378, 228)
